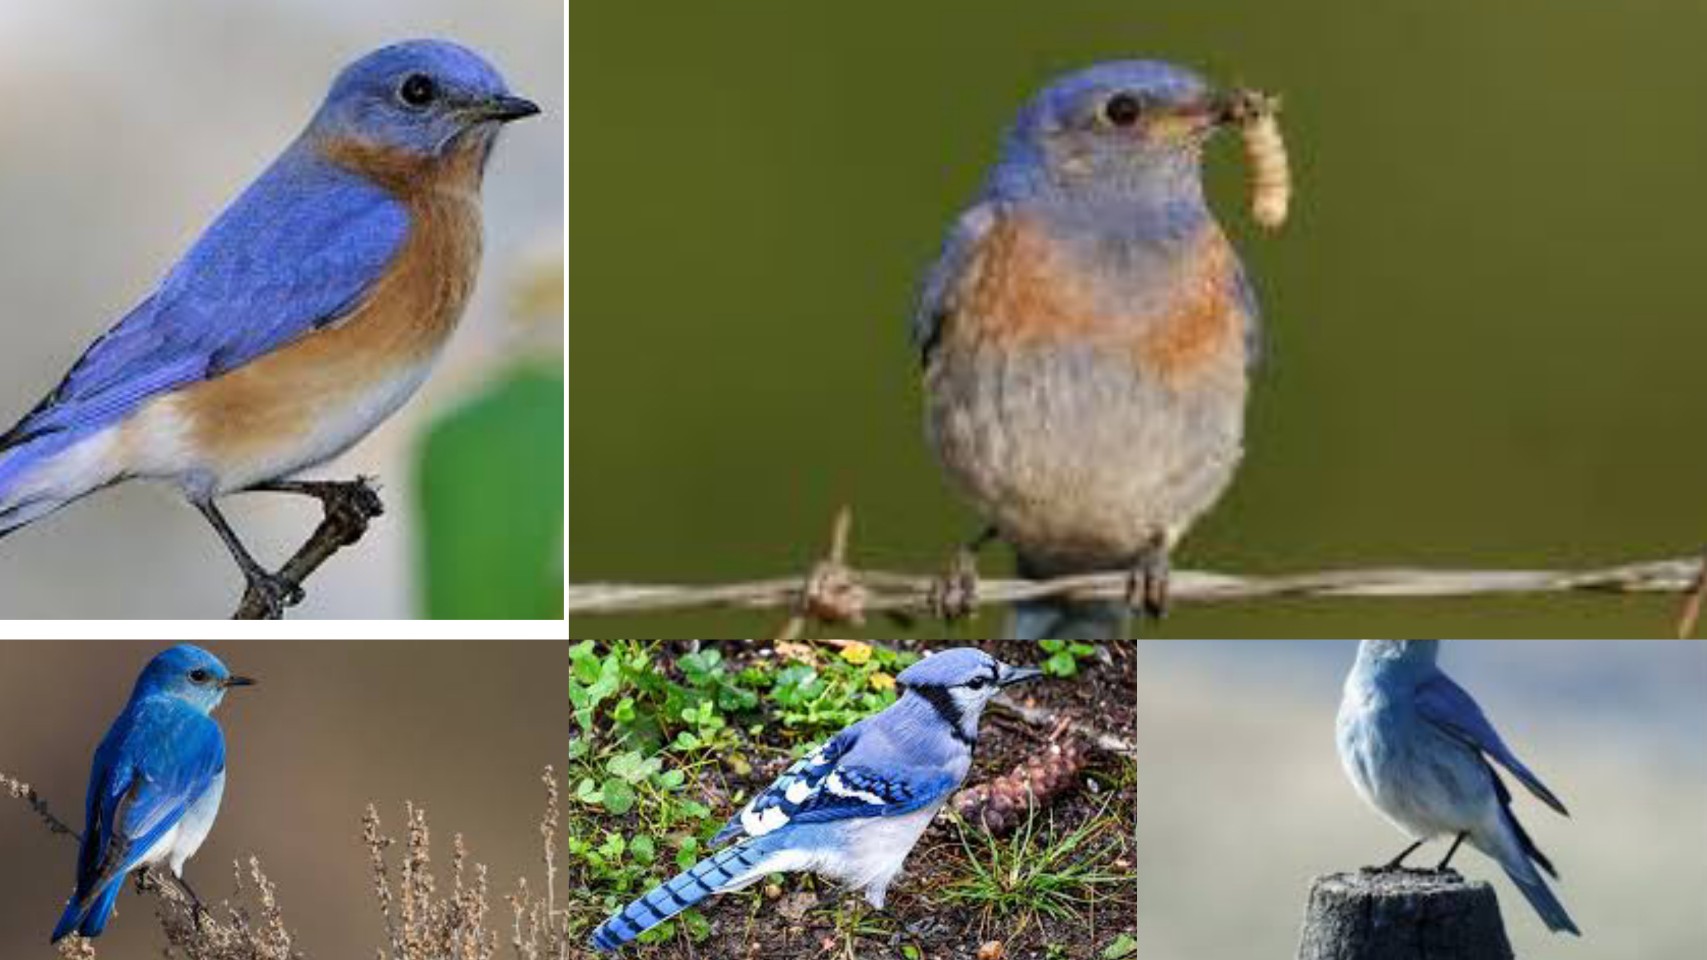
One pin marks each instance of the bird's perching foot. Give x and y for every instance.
(954, 595)
(1147, 580)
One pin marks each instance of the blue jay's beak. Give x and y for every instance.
(1007, 676)
(237, 682)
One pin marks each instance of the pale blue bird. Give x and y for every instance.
(852, 809)
(1417, 748)
(155, 785)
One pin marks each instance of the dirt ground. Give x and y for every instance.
(811, 918)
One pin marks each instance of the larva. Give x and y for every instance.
(1257, 116)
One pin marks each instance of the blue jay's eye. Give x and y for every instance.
(417, 90)
(977, 684)
(198, 675)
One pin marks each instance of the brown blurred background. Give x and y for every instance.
(463, 728)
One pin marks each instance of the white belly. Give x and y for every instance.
(181, 842)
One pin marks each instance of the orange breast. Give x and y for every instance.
(1022, 291)
(403, 321)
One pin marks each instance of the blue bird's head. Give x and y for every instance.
(421, 98)
(188, 673)
(1133, 125)
(1420, 652)
(959, 682)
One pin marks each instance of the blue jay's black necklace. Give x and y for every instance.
(946, 707)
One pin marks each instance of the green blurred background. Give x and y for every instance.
(1485, 323)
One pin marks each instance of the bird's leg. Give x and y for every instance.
(1454, 849)
(276, 592)
(154, 878)
(954, 595)
(1397, 863)
(349, 502)
(1147, 581)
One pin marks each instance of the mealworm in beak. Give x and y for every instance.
(1257, 116)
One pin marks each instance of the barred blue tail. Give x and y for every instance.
(89, 918)
(1052, 618)
(725, 870)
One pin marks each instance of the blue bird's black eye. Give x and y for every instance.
(1123, 109)
(198, 675)
(977, 684)
(418, 90)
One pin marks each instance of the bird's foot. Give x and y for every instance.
(1147, 582)
(954, 595)
(272, 593)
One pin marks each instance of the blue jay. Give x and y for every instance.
(155, 784)
(1417, 748)
(852, 809)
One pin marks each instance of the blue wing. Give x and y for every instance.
(1445, 704)
(779, 801)
(295, 252)
(936, 300)
(157, 759)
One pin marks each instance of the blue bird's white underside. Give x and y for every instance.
(180, 843)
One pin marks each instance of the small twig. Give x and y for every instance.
(1044, 717)
(348, 508)
(23, 791)
(831, 593)
(1692, 603)
(888, 591)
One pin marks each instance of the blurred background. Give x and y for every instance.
(1244, 800)
(464, 729)
(1484, 322)
(123, 131)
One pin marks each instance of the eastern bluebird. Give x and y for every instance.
(1086, 335)
(1417, 747)
(308, 312)
(155, 785)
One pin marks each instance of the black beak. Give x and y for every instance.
(506, 108)
(1007, 676)
(238, 682)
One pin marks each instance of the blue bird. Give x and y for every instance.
(852, 809)
(1417, 748)
(155, 785)
(305, 315)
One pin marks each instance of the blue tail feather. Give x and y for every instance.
(89, 918)
(714, 874)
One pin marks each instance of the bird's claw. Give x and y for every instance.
(954, 595)
(274, 593)
(1147, 583)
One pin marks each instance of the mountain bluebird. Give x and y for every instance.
(1417, 747)
(308, 312)
(852, 809)
(1086, 335)
(155, 784)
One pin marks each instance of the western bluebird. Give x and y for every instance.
(1086, 335)
(308, 312)
(155, 785)
(1417, 747)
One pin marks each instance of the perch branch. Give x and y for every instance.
(908, 594)
(348, 508)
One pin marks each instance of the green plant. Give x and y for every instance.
(1035, 872)
(1064, 656)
